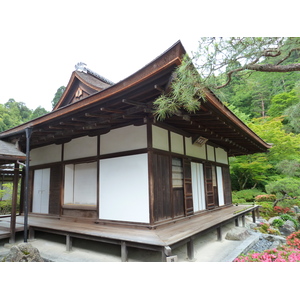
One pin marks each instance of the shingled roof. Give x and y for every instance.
(9, 152)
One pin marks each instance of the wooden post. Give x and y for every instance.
(166, 251)
(236, 220)
(31, 233)
(68, 242)
(190, 249)
(14, 205)
(253, 216)
(243, 220)
(219, 233)
(124, 252)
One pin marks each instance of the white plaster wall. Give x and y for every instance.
(124, 139)
(81, 147)
(124, 190)
(194, 150)
(44, 155)
(177, 143)
(160, 138)
(210, 153)
(221, 156)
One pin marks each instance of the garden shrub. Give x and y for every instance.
(286, 217)
(266, 210)
(5, 207)
(265, 198)
(284, 187)
(278, 223)
(245, 195)
(294, 239)
(267, 229)
(282, 210)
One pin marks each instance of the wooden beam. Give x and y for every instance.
(115, 111)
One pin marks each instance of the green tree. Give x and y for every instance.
(218, 60)
(38, 112)
(249, 171)
(280, 102)
(58, 95)
(292, 117)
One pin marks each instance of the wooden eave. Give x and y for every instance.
(130, 102)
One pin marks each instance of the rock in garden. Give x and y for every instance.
(23, 252)
(286, 229)
(237, 234)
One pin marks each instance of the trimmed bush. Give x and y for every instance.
(265, 198)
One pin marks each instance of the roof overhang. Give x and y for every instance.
(130, 102)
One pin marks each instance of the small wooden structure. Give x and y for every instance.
(101, 157)
(10, 159)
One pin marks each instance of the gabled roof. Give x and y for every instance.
(83, 83)
(130, 102)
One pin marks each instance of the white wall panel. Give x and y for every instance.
(81, 147)
(44, 155)
(221, 156)
(160, 138)
(177, 143)
(124, 139)
(124, 191)
(210, 153)
(194, 150)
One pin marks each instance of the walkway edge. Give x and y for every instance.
(243, 247)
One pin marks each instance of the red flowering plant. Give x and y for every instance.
(282, 210)
(283, 254)
(294, 239)
(265, 198)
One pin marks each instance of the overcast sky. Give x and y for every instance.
(42, 41)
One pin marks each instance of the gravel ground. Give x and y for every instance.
(261, 245)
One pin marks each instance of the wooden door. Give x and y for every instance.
(210, 186)
(187, 183)
(162, 188)
(41, 188)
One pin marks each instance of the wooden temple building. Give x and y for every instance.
(103, 168)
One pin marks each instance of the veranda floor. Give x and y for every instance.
(164, 238)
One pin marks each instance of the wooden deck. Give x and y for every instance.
(164, 238)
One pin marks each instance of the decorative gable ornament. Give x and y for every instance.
(81, 67)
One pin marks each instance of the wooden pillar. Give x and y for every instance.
(166, 251)
(253, 216)
(124, 252)
(236, 220)
(13, 215)
(31, 233)
(68, 242)
(243, 220)
(219, 233)
(190, 249)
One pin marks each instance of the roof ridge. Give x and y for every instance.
(81, 67)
